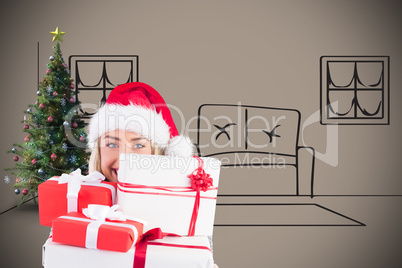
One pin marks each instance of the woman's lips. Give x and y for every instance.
(115, 171)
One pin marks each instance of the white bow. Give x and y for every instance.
(76, 176)
(101, 212)
(74, 181)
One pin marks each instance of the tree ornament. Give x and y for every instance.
(73, 159)
(38, 93)
(17, 180)
(72, 86)
(53, 157)
(82, 139)
(29, 110)
(27, 139)
(65, 123)
(50, 119)
(55, 94)
(86, 172)
(49, 89)
(42, 106)
(40, 171)
(17, 191)
(13, 150)
(51, 142)
(72, 99)
(75, 125)
(7, 179)
(51, 58)
(65, 65)
(48, 71)
(63, 102)
(25, 191)
(64, 146)
(36, 102)
(26, 126)
(57, 35)
(34, 162)
(16, 158)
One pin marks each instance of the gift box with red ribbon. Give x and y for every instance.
(176, 194)
(169, 252)
(99, 227)
(71, 193)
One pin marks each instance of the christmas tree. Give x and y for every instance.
(56, 139)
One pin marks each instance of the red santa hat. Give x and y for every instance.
(137, 107)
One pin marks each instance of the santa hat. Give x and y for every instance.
(137, 107)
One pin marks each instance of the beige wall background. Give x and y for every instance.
(263, 53)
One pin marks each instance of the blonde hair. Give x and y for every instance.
(95, 158)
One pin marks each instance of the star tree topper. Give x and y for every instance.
(57, 35)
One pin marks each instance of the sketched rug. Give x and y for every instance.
(278, 214)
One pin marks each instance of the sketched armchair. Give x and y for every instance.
(258, 147)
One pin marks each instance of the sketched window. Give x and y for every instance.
(96, 75)
(354, 90)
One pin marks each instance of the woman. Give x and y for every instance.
(134, 119)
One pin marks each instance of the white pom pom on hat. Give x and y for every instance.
(139, 108)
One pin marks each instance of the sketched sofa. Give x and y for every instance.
(259, 149)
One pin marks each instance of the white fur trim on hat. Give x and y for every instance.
(143, 121)
(180, 145)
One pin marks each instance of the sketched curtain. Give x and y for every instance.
(355, 89)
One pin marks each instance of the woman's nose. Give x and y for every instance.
(125, 149)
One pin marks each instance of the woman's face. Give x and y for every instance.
(116, 142)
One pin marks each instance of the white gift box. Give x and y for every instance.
(169, 252)
(157, 189)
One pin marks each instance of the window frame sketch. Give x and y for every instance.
(357, 114)
(104, 85)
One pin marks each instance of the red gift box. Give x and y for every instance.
(77, 230)
(54, 202)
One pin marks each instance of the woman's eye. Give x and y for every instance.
(139, 146)
(111, 145)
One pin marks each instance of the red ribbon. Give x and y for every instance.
(200, 180)
(141, 247)
(169, 189)
(176, 189)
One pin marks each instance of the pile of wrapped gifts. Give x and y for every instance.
(160, 213)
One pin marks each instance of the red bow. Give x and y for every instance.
(200, 180)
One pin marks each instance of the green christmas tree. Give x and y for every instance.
(56, 139)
